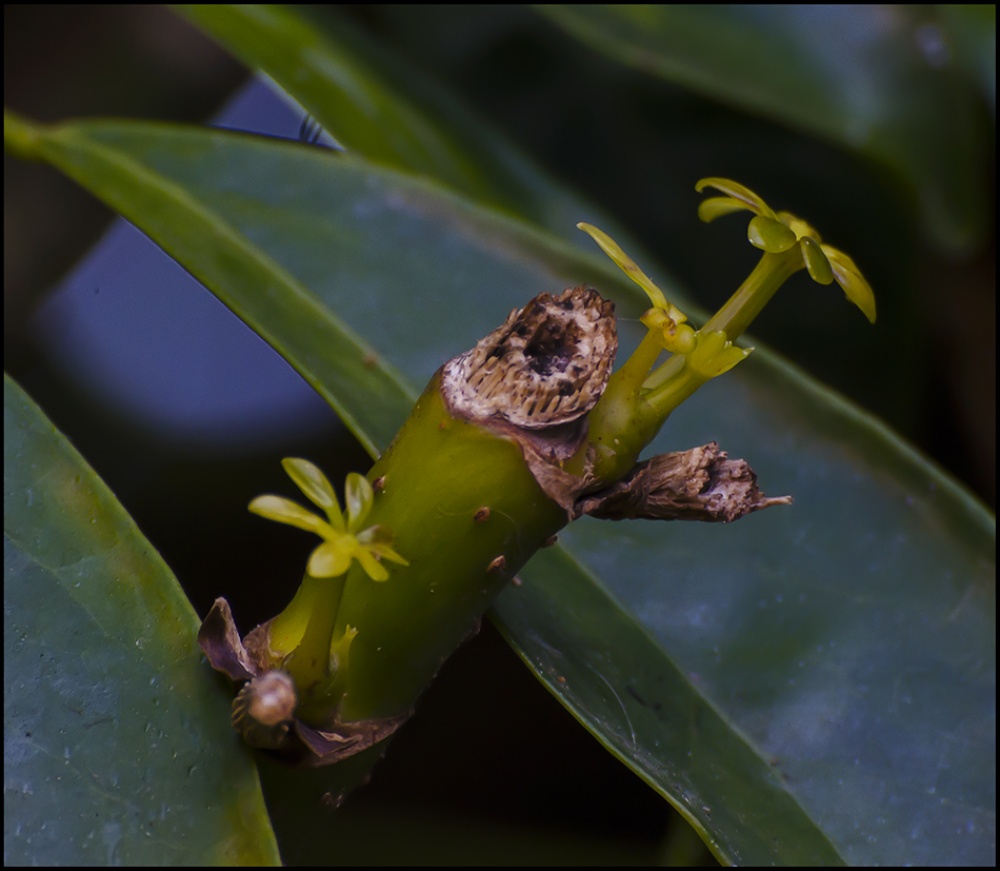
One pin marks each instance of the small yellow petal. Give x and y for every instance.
(375, 570)
(330, 559)
(358, 495)
(717, 207)
(816, 262)
(316, 487)
(285, 511)
(738, 192)
(674, 337)
(770, 235)
(849, 277)
(629, 267)
(800, 228)
(383, 551)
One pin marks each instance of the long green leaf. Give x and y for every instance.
(111, 722)
(847, 642)
(812, 683)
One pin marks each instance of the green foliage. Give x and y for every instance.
(811, 685)
(110, 723)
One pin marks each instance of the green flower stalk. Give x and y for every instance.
(640, 396)
(302, 636)
(508, 443)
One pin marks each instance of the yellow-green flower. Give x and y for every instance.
(344, 539)
(643, 392)
(778, 232)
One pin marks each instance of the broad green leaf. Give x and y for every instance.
(813, 683)
(117, 749)
(846, 642)
(879, 79)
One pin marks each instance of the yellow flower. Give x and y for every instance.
(344, 540)
(778, 232)
(642, 393)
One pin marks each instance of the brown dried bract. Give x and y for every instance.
(698, 484)
(269, 723)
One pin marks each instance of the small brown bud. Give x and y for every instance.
(497, 565)
(264, 708)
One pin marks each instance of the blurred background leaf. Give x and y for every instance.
(881, 80)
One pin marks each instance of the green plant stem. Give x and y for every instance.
(740, 310)
(617, 415)
(446, 481)
(306, 627)
(438, 476)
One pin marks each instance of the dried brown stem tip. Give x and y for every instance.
(698, 484)
(546, 365)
